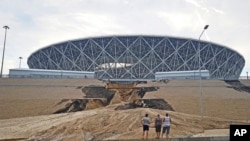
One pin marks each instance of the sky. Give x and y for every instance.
(35, 24)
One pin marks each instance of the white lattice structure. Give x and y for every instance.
(138, 57)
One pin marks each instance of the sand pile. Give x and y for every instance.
(103, 124)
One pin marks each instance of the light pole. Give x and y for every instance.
(201, 96)
(6, 27)
(247, 75)
(20, 61)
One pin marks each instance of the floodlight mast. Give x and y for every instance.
(5, 27)
(201, 90)
(20, 61)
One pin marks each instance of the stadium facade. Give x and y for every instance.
(139, 57)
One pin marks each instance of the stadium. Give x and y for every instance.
(139, 57)
(93, 110)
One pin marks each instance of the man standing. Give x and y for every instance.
(145, 122)
(158, 123)
(166, 125)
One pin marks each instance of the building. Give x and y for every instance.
(196, 74)
(139, 57)
(41, 73)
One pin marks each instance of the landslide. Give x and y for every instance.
(114, 93)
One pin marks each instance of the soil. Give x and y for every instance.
(27, 107)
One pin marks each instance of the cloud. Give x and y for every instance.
(36, 24)
(176, 20)
(193, 2)
(218, 11)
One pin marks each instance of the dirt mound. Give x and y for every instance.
(107, 124)
(157, 104)
(74, 105)
(147, 103)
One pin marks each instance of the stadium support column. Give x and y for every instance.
(6, 27)
(201, 95)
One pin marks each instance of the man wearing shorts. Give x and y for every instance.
(158, 123)
(166, 125)
(145, 122)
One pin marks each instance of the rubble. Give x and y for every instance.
(113, 93)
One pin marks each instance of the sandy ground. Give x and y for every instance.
(217, 99)
(31, 97)
(105, 124)
(27, 105)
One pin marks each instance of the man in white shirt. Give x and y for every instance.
(166, 125)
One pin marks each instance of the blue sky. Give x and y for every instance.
(38, 23)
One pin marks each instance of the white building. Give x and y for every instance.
(195, 74)
(41, 73)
